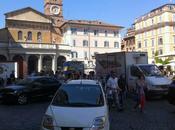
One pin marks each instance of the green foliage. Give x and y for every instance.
(159, 60)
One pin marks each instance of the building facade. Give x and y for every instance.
(44, 41)
(87, 38)
(128, 42)
(155, 31)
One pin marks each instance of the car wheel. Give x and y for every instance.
(22, 99)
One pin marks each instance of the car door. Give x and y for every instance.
(132, 77)
(52, 86)
(36, 88)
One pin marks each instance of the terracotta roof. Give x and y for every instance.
(93, 23)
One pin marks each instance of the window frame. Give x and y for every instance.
(20, 35)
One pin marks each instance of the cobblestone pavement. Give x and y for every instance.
(159, 115)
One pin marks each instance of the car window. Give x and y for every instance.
(79, 96)
(41, 81)
(24, 81)
(52, 81)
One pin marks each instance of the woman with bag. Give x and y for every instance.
(141, 86)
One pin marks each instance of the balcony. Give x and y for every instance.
(63, 47)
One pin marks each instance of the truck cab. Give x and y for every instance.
(157, 83)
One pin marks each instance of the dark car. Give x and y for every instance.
(171, 93)
(29, 88)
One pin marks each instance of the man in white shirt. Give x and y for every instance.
(113, 89)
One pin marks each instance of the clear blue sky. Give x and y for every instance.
(119, 12)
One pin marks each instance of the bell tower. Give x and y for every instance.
(53, 8)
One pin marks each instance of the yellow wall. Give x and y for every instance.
(166, 33)
(46, 35)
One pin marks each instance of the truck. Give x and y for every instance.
(132, 64)
(6, 69)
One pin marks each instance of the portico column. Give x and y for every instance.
(40, 63)
(54, 63)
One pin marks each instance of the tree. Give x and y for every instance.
(161, 61)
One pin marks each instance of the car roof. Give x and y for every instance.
(37, 77)
(83, 81)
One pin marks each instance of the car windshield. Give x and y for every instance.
(73, 95)
(151, 70)
(25, 81)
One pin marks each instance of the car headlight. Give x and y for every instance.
(48, 122)
(99, 123)
(15, 92)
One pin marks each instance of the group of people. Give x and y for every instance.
(116, 91)
(115, 88)
(7, 79)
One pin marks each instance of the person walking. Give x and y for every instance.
(122, 86)
(113, 90)
(141, 86)
(12, 77)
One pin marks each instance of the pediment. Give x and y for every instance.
(28, 14)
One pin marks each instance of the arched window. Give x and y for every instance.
(20, 35)
(39, 37)
(29, 36)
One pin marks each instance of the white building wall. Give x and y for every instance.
(80, 36)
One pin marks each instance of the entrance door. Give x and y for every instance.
(60, 61)
(32, 64)
(133, 73)
(47, 63)
(20, 61)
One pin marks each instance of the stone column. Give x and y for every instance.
(54, 63)
(25, 65)
(40, 60)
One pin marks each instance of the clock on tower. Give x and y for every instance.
(53, 8)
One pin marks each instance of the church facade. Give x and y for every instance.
(44, 41)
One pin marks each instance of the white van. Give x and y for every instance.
(132, 64)
(77, 105)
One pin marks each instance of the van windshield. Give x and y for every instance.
(79, 95)
(151, 70)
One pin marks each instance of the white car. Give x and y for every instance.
(77, 105)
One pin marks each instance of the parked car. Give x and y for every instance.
(77, 105)
(29, 88)
(171, 93)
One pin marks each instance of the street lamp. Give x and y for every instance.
(89, 59)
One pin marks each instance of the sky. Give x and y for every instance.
(118, 12)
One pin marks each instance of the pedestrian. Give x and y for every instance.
(113, 91)
(102, 81)
(141, 86)
(1, 82)
(12, 77)
(5, 77)
(122, 86)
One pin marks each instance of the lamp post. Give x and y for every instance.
(89, 40)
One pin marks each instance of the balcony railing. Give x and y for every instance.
(35, 46)
(63, 47)
(32, 45)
